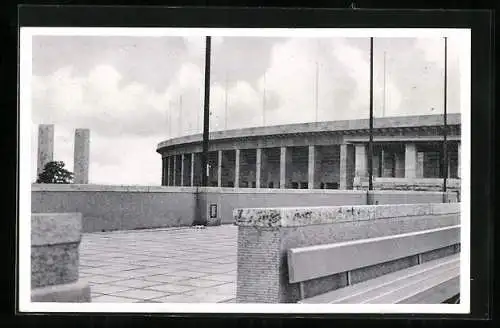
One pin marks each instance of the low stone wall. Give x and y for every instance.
(55, 241)
(266, 234)
(108, 208)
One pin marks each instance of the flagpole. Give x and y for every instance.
(370, 143)
(225, 105)
(316, 91)
(445, 127)
(206, 113)
(385, 88)
(316, 95)
(264, 102)
(180, 115)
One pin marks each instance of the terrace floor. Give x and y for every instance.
(177, 265)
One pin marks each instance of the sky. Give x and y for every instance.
(133, 92)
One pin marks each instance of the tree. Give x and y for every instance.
(54, 172)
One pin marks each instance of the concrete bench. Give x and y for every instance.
(435, 281)
(55, 241)
(322, 254)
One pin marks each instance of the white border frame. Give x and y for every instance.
(24, 222)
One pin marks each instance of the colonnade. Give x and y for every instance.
(309, 167)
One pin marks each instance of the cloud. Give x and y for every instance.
(141, 91)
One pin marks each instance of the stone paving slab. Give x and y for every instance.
(177, 265)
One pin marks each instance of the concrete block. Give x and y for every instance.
(55, 228)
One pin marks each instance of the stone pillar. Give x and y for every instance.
(192, 169)
(399, 165)
(420, 165)
(360, 161)
(283, 158)
(182, 170)
(45, 146)
(174, 171)
(55, 242)
(459, 174)
(169, 171)
(237, 168)
(311, 167)
(81, 156)
(163, 171)
(219, 168)
(258, 167)
(346, 166)
(410, 161)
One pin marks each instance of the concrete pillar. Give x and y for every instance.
(169, 171)
(237, 168)
(283, 163)
(81, 156)
(382, 163)
(399, 163)
(174, 171)
(182, 170)
(420, 165)
(311, 167)
(410, 161)
(219, 168)
(360, 161)
(192, 170)
(258, 167)
(346, 166)
(163, 171)
(45, 146)
(459, 174)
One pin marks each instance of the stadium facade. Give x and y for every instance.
(407, 150)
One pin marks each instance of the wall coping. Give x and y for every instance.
(55, 228)
(305, 216)
(108, 188)
(167, 189)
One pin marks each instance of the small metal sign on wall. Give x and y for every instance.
(213, 211)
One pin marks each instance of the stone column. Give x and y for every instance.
(174, 171)
(382, 163)
(258, 167)
(311, 167)
(237, 168)
(420, 165)
(192, 169)
(410, 161)
(399, 165)
(81, 156)
(163, 171)
(346, 166)
(219, 168)
(360, 161)
(283, 163)
(167, 180)
(182, 170)
(45, 146)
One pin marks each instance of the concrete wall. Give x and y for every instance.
(106, 208)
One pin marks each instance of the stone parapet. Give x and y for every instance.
(266, 234)
(55, 241)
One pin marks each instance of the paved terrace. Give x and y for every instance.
(177, 265)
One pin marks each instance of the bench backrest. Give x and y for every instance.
(307, 263)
